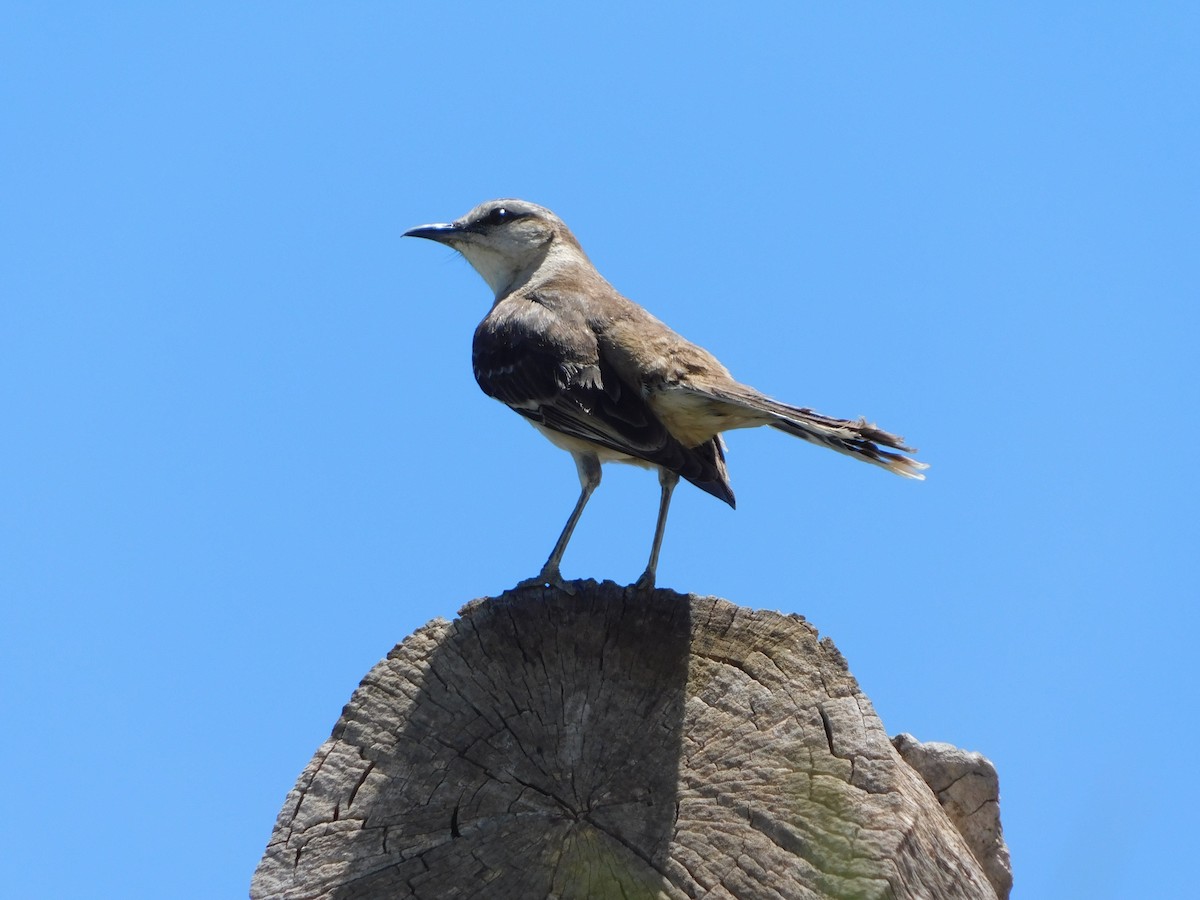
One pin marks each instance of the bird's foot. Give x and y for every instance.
(646, 582)
(548, 577)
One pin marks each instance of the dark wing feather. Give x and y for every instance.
(546, 364)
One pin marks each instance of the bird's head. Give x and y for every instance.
(505, 241)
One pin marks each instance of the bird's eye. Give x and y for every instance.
(498, 216)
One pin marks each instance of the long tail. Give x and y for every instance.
(859, 439)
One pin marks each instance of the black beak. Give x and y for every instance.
(443, 234)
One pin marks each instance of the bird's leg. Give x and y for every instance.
(668, 480)
(588, 465)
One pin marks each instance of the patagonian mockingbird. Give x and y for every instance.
(605, 380)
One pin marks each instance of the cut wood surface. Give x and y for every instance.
(616, 743)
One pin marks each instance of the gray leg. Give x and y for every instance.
(588, 465)
(668, 480)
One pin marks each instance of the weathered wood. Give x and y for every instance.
(613, 744)
(968, 788)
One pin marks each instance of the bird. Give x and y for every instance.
(606, 381)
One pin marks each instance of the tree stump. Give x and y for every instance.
(614, 743)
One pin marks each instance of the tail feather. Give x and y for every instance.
(857, 438)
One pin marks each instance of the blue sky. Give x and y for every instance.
(242, 453)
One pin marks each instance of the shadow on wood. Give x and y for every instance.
(613, 744)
